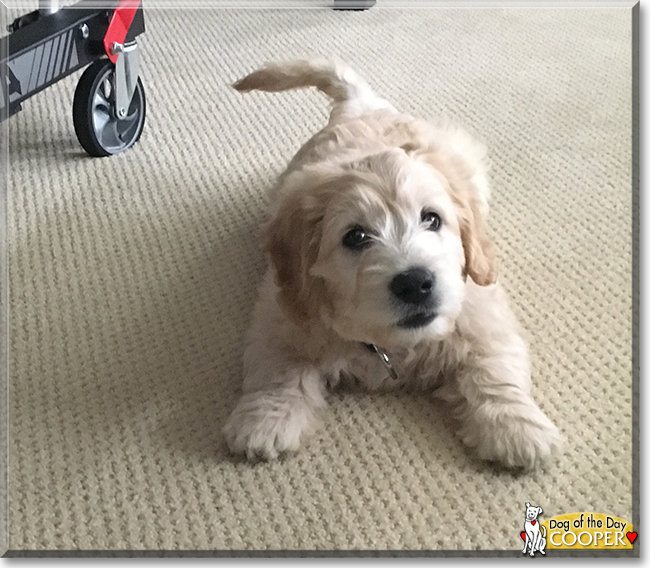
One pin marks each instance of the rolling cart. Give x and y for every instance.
(50, 43)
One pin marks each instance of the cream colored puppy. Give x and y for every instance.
(381, 271)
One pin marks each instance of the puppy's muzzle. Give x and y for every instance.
(413, 289)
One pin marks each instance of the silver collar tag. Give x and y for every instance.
(383, 357)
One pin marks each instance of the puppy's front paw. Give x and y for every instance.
(517, 437)
(263, 426)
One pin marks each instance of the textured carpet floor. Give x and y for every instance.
(132, 280)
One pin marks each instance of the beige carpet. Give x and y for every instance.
(132, 278)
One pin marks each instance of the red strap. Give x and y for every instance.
(120, 23)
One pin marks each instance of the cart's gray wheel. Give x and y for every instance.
(99, 130)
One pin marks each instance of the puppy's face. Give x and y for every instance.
(378, 249)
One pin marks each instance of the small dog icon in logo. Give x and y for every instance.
(534, 534)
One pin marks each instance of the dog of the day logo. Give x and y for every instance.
(575, 531)
(534, 533)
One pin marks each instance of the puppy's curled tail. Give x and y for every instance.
(331, 76)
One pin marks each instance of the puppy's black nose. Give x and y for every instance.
(413, 286)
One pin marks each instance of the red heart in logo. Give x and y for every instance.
(631, 536)
(523, 535)
(533, 522)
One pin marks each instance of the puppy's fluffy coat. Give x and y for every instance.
(376, 238)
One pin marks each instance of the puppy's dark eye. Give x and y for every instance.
(432, 219)
(356, 238)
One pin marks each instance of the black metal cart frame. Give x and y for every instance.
(51, 43)
(45, 46)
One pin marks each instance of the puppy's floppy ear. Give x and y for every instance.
(291, 239)
(479, 256)
(471, 207)
(539, 510)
